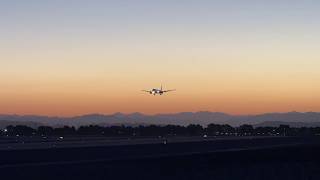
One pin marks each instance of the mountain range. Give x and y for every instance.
(294, 119)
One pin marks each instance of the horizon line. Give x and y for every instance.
(155, 114)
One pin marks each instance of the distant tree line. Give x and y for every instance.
(157, 130)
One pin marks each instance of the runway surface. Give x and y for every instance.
(150, 158)
(23, 143)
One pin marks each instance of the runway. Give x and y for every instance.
(100, 149)
(147, 158)
(24, 143)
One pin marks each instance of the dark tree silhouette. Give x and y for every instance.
(162, 131)
(45, 131)
(194, 130)
(66, 130)
(246, 129)
(20, 130)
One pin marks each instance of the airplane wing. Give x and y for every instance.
(169, 90)
(146, 91)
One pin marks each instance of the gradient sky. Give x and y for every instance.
(241, 57)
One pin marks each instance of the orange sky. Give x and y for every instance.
(96, 58)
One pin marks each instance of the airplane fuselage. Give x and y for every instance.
(156, 91)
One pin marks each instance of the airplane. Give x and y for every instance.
(158, 91)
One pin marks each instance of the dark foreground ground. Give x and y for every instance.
(283, 158)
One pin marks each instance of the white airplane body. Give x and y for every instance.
(156, 91)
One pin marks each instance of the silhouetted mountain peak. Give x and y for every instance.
(118, 114)
(136, 114)
(182, 118)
